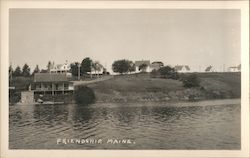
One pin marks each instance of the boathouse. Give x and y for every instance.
(52, 83)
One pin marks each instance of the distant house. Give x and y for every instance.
(52, 83)
(182, 68)
(61, 68)
(235, 68)
(156, 65)
(142, 62)
(210, 69)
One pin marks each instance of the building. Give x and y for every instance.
(235, 68)
(61, 68)
(52, 83)
(156, 65)
(142, 62)
(182, 68)
(210, 69)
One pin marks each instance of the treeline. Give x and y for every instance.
(24, 71)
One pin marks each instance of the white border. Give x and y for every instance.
(243, 5)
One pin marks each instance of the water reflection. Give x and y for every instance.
(152, 127)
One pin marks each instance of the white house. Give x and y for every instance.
(182, 68)
(61, 68)
(235, 68)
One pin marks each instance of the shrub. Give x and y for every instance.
(84, 95)
(168, 72)
(191, 81)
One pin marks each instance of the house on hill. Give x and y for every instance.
(52, 83)
(61, 68)
(235, 68)
(210, 69)
(182, 68)
(142, 62)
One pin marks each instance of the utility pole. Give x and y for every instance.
(79, 66)
(91, 69)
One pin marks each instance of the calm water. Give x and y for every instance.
(143, 126)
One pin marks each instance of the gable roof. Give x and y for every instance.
(181, 67)
(50, 77)
(138, 63)
(178, 67)
(209, 68)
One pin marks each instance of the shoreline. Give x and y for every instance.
(201, 103)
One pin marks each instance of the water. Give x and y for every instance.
(181, 126)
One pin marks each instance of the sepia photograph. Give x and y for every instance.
(112, 79)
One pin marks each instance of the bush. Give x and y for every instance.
(191, 81)
(168, 72)
(84, 95)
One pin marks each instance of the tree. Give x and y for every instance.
(121, 66)
(49, 66)
(168, 72)
(10, 72)
(86, 65)
(17, 72)
(36, 70)
(191, 81)
(131, 66)
(143, 67)
(97, 67)
(74, 68)
(26, 70)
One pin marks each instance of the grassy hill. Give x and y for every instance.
(141, 87)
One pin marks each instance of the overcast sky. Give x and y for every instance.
(191, 37)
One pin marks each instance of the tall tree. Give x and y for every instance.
(97, 66)
(26, 70)
(49, 66)
(10, 72)
(36, 70)
(17, 72)
(86, 65)
(74, 68)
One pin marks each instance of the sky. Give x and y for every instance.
(197, 38)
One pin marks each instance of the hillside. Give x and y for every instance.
(142, 87)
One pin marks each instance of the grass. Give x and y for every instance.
(223, 82)
(143, 87)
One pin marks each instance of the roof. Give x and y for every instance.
(159, 63)
(50, 77)
(138, 63)
(209, 68)
(180, 67)
(236, 67)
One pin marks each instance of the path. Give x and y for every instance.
(77, 83)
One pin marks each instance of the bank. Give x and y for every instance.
(143, 88)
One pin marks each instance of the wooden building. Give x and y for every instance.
(52, 83)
